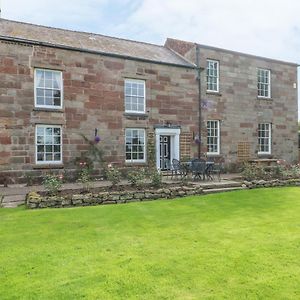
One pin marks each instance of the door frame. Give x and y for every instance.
(174, 134)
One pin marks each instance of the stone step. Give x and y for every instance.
(222, 185)
(224, 189)
(13, 200)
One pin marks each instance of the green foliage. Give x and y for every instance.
(156, 178)
(113, 175)
(136, 177)
(151, 153)
(90, 157)
(52, 184)
(280, 171)
(29, 179)
(85, 179)
(95, 153)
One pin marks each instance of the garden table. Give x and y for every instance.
(198, 168)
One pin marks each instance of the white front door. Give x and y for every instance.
(161, 142)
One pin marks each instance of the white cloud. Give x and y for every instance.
(263, 27)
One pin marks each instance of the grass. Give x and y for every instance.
(237, 245)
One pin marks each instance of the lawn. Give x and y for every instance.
(235, 245)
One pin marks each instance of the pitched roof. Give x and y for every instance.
(90, 42)
(182, 47)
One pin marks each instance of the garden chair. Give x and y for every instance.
(215, 169)
(176, 168)
(198, 169)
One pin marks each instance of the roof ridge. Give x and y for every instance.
(84, 32)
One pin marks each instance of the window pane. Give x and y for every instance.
(56, 131)
(57, 156)
(39, 78)
(40, 157)
(48, 101)
(56, 101)
(40, 100)
(56, 140)
(40, 148)
(49, 157)
(49, 148)
(40, 140)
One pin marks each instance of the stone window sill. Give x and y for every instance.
(136, 115)
(213, 93)
(59, 110)
(264, 98)
(127, 163)
(48, 166)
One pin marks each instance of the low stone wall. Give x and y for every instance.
(35, 200)
(270, 183)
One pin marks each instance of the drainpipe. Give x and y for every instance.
(199, 98)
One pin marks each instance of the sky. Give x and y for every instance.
(268, 28)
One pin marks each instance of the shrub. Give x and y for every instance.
(257, 172)
(113, 175)
(280, 171)
(156, 178)
(293, 171)
(136, 177)
(85, 179)
(29, 179)
(52, 184)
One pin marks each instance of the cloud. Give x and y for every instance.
(262, 27)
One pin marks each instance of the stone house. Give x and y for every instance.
(249, 103)
(141, 99)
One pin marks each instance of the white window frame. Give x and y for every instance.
(36, 145)
(209, 76)
(218, 137)
(262, 83)
(144, 147)
(269, 139)
(36, 87)
(138, 81)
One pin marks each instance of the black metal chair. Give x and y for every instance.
(198, 168)
(214, 169)
(176, 168)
